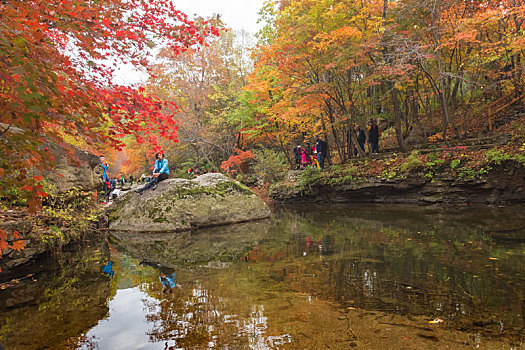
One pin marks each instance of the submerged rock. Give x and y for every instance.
(181, 205)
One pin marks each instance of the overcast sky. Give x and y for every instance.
(235, 14)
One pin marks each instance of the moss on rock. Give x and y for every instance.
(179, 205)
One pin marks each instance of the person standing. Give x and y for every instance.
(131, 180)
(297, 157)
(373, 136)
(161, 172)
(305, 158)
(321, 148)
(105, 178)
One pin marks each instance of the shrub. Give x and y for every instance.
(496, 156)
(455, 163)
(270, 166)
(413, 162)
(310, 177)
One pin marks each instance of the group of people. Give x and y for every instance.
(306, 155)
(373, 137)
(111, 190)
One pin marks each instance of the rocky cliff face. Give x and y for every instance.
(501, 186)
(181, 205)
(78, 169)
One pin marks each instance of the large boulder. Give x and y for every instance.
(181, 205)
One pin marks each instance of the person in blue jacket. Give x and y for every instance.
(161, 172)
(105, 178)
(108, 269)
(167, 281)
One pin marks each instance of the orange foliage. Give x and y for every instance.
(236, 160)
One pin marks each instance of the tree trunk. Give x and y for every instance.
(397, 113)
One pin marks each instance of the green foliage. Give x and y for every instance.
(496, 156)
(455, 163)
(467, 173)
(413, 162)
(13, 196)
(333, 176)
(270, 166)
(310, 177)
(69, 215)
(470, 173)
(389, 174)
(433, 165)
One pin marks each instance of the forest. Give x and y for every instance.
(440, 77)
(432, 74)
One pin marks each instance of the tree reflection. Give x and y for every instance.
(427, 263)
(199, 317)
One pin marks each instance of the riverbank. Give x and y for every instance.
(411, 181)
(65, 221)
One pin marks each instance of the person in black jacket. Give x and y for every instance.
(297, 157)
(373, 136)
(321, 148)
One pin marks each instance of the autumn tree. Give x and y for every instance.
(56, 82)
(205, 85)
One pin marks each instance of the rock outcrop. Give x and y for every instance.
(181, 205)
(76, 169)
(501, 186)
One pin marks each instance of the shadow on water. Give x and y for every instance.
(217, 246)
(344, 275)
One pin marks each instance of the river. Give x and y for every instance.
(312, 277)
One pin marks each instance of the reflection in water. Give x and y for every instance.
(52, 306)
(126, 326)
(343, 275)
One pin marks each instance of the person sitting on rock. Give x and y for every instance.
(160, 172)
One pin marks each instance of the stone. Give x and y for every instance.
(75, 168)
(417, 135)
(80, 170)
(180, 205)
(500, 186)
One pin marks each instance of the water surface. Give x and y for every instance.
(311, 278)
